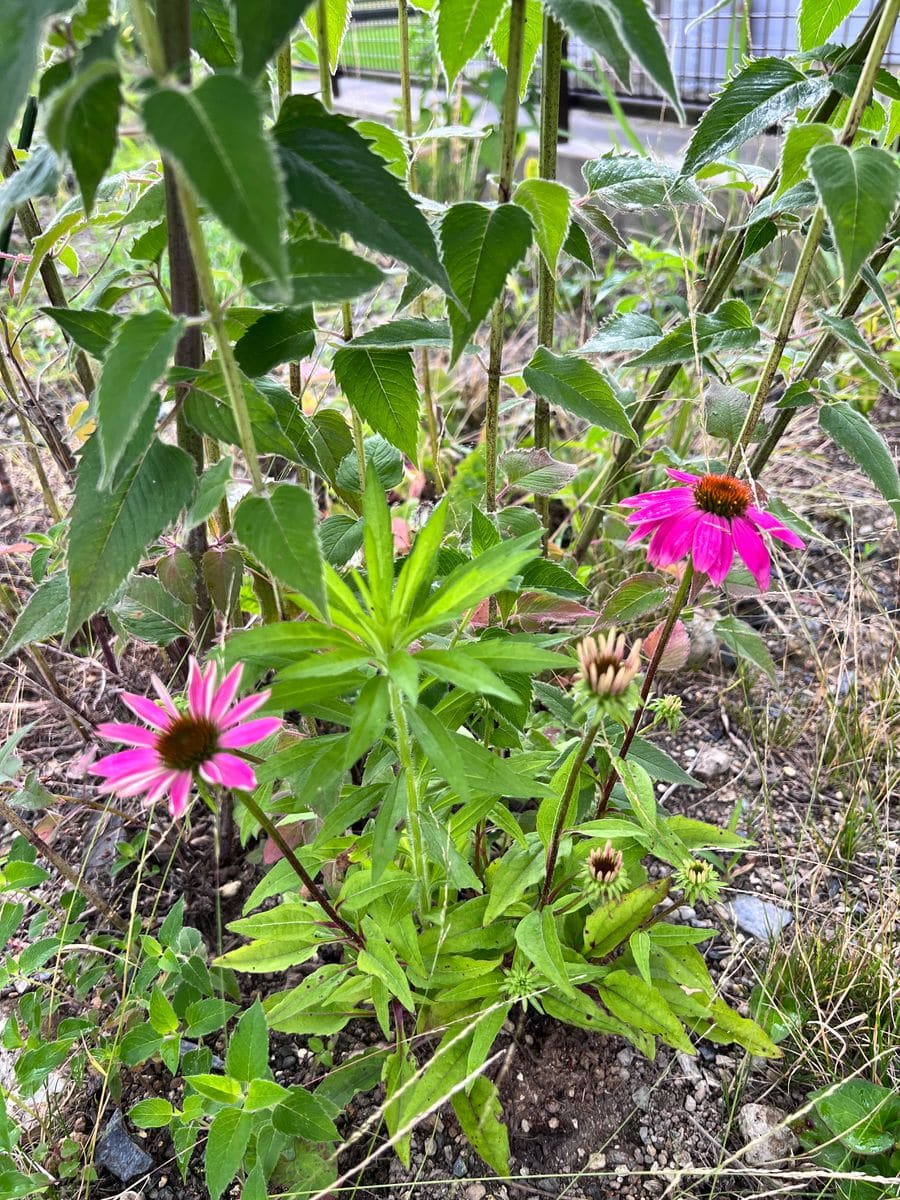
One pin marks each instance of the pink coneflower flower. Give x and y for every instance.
(709, 519)
(179, 743)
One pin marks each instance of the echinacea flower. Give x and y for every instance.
(710, 519)
(178, 744)
(606, 876)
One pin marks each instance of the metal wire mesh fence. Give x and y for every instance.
(705, 41)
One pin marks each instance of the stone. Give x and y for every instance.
(476, 1191)
(760, 918)
(767, 1138)
(460, 1168)
(711, 763)
(119, 1154)
(625, 1056)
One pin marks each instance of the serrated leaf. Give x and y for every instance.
(138, 356)
(761, 94)
(302, 1115)
(745, 643)
(20, 35)
(111, 529)
(846, 332)
(211, 33)
(549, 204)
(263, 26)
(855, 434)
(631, 182)
(818, 19)
(215, 134)
(151, 613)
(318, 272)
(730, 327)
(405, 333)
(536, 471)
(625, 333)
(480, 246)
(578, 247)
(281, 531)
(151, 1114)
(531, 40)
(858, 189)
(578, 388)
(229, 1134)
(37, 176)
(92, 329)
(463, 27)
(286, 335)
(332, 173)
(247, 1056)
(381, 386)
(337, 21)
(84, 123)
(42, 617)
(210, 492)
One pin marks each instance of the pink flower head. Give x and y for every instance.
(710, 519)
(177, 743)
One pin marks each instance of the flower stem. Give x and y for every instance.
(308, 882)
(322, 51)
(413, 818)
(553, 848)
(675, 608)
(509, 124)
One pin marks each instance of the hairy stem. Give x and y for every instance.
(413, 818)
(584, 750)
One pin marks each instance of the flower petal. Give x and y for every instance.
(147, 710)
(131, 735)
(196, 689)
(181, 787)
(752, 550)
(678, 500)
(682, 476)
(249, 732)
(234, 772)
(162, 785)
(672, 539)
(243, 709)
(226, 692)
(713, 547)
(774, 527)
(133, 785)
(165, 695)
(210, 772)
(126, 763)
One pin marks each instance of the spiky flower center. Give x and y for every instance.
(605, 667)
(722, 495)
(188, 742)
(604, 865)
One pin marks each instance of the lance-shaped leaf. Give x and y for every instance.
(579, 388)
(318, 272)
(84, 123)
(215, 134)
(630, 183)
(480, 246)
(110, 530)
(855, 434)
(536, 471)
(730, 327)
(531, 41)
(549, 204)
(263, 26)
(760, 95)
(37, 176)
(139, 355)
(846, 331)
(285, 335)
(818, 19)
(20, 35)
(858, 190)
(332, 173)
(337, 21)
(281, 531)
(43, 616)
(381, 387)
(463, 27)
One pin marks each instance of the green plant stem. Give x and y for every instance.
(308, 882)
(861, 95)
(509, 125)
(678, 602)
(284, 74)
(714, 292)
(322, 51)
(413, 817)
(59, 864)
(584, 750)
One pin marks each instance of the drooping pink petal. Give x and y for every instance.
(210, 772)
(133, 785)
(672, 540)
(162, 785)
(644, 497)
(642, 531)
(131, 735)
(165, 695)
(713, 548)
(234, 772)
(774, 527)
(227, 691)
(677, 501)
(752, 550)
(181, 787)
(249, 732)
(126, 762)
(244, 708)
(147, 710)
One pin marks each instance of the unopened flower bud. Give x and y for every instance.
(607, 878)
(608, 674)
(698, 880)
(668, 709)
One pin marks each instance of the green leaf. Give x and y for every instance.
(211, 33)
(624, 333)
(406, 333)
(215, 134)
(247, 1056)
(332, 173)
(92, 329)
(846, 331)
(210, 492)
(725, 408)
(761, 94)
(631, 182)
(538, 939)
(480, 247)
(162, 1015)
(536, 471)
(229, 1134)
(379, 543)
(865, 445)
(818, 19)
(150, 612)
(637, 595)
(37, 176)
(639, 1004)
(303, 1116)
(730, 327)
(419, 566)
(263, 26)
(84, 123)
(20, 37)
(612, 923)
(337, 21)
(549, 204)
(318, 272)
(387, 144)
(578, 246)
(381, 386)
(151, 1114)
(277, 337)
(43, 616)
(340, 537)
(592, 22)
(281, 531)
(138, 356)
(111, 529)
(463, 27)
(479, 1113)
(858, 189)
(520, 868)
(578, 388)
(385, 458)
(862, 1114)
(798, 141)
(745, 643)
(531, 41)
